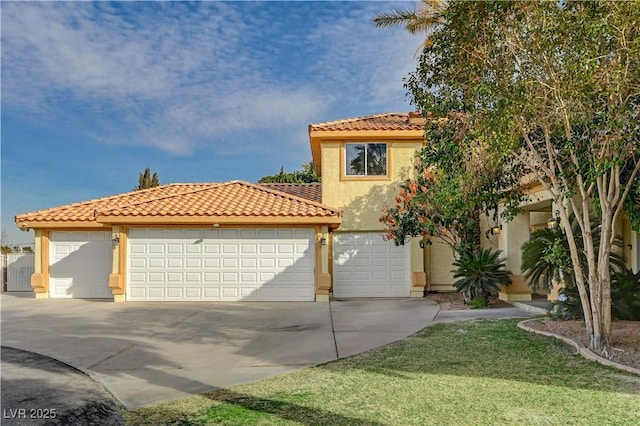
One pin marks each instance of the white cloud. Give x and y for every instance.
(177, 76)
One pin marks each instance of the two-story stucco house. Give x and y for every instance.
(267, 242)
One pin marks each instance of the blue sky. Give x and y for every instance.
(92, 93)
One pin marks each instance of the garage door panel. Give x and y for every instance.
(367, 266)
(211, 263)
(153, 263)
(174, 277)
(193, 249)
(267, 249)
(137, 248)
(211, 293)
(176, 293)
(193, 277)
(212, 248)
(193, 262)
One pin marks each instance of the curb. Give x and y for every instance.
(530, 308)
(581, 349)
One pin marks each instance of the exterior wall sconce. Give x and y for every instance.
(323, 241)
(494, 230)
(115, 240)
(424, 243)
(216, 225)
(552, 222)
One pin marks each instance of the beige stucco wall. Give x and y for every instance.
(439, 263)
(364, 199)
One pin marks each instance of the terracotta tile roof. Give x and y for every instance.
(228, 199)
(387, 121)
(309, 191)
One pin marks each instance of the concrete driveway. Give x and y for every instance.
(148, 352)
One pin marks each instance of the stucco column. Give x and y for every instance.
(513, 235)
(40, 276)
(418, 274)
(118, 272)
(323, 274)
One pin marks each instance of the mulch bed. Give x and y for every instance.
(455, 301)
(625, 336)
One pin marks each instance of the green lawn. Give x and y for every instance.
(468, 373)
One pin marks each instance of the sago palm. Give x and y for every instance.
(480, 273)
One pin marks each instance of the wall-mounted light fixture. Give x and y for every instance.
(494, 230)
(323, 241)
(425, 242)
(216, 225)
(552, 222)
(115, 240)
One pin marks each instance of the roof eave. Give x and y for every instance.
(26, 225)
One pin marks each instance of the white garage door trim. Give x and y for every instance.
(221, 264)
(80, 264)
(364, 265)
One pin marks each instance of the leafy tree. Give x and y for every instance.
(6, 244)
(306, 175)
(147, 180)
(457, 180)
(555, 86)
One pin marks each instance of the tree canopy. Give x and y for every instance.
(306, 175)
(456, 181)
(147, 180)
(553, 92)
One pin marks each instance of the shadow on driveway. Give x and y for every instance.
(72, 397)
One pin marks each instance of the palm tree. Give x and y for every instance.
(546, 258)
(421, 20)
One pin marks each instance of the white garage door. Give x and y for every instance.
(364, 265)
(221, 264)
(80, 264)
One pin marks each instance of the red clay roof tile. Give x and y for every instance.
(229, 199)
(386, 121)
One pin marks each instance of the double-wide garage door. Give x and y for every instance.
(221, 264)
(365, 265)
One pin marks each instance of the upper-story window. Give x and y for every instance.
(365, 159)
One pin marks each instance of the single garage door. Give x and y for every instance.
(80, 264)
(221, 264)
(364, 265)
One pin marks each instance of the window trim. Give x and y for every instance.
(343, 161)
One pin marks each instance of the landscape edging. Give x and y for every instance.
(580, 348)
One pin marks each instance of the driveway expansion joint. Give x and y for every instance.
(92, 366)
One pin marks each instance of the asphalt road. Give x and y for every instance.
(65, 396)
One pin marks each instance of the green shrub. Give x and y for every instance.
(625, 295)
(480, 273)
